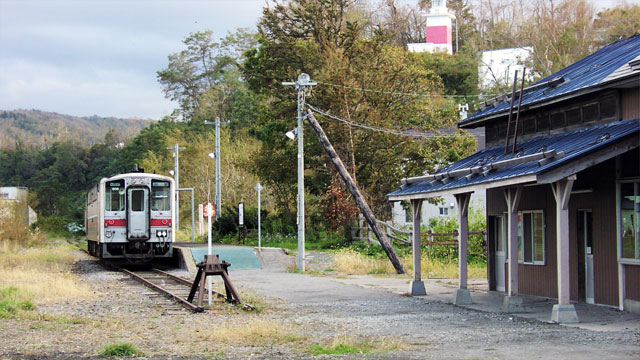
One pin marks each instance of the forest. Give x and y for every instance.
(356, 51)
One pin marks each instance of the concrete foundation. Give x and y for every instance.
(513, 304)
(462, 297)
(632, 306)
(417, 289)
(564, 314)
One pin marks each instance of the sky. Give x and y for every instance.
(99, 57)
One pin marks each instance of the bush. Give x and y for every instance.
(120, 350)
(13, 300)
(66, 226)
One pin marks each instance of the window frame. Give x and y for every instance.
(623, 260)
(533, 241)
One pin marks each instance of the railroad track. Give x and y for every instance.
(171, 286)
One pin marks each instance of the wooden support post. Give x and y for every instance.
(564, 311)
(417, 285)
(355, 192)
(512, 303)
(462, 295)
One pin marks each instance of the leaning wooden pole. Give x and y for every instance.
(355, 192)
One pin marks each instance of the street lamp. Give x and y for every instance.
(291, 134)
(301, 85)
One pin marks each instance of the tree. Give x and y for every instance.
(617, 23)
(325, 39)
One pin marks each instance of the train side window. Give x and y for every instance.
(114, 196)
(160, 196)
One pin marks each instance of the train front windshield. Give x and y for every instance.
(114, 195)
(160, 197)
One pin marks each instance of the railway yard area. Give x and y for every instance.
(313, 315)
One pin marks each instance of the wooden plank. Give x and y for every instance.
(355, 192)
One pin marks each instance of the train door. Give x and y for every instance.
(138, 213)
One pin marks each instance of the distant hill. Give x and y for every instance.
(41, 128)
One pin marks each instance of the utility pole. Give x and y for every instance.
(217, 123)
(176, 149)
(258, 189)
(304, 82)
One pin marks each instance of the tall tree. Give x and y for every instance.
(617, 23)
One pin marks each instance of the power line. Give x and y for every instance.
(401, 93)
(380, 129)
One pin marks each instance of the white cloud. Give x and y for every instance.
(101, 57)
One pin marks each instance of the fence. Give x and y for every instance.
(363, 232)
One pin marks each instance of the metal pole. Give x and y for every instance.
(209, 249)
(258, 188)
(218, 194)
(303, 81)
(176, 177)
(218, 199)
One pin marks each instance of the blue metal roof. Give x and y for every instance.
(605, 65)
(573, 144)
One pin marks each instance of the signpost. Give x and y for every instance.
(258, 189)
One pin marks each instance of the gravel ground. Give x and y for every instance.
(314, 307)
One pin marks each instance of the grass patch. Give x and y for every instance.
(351, 262)
(121, 350)
(254, 332)
(42, 272)
(344, 344)
(13, 301)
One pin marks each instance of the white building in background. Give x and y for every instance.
(447, 208)
(438, 32)
(499, 66)
(12, 195)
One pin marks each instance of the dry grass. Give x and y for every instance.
(354, 263)
(42, 272)
(14, 228)
(251, 332)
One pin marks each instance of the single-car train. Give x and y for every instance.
(130, 217)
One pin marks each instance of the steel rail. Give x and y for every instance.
(164, 291)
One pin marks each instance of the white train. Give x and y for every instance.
(131, 217)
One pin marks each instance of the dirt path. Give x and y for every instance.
(433, 330)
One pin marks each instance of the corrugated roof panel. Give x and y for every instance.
(573, 144)
(607, 64)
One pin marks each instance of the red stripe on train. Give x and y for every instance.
(161, 222)
(115, 222)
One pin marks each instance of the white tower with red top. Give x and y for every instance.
(438, 30)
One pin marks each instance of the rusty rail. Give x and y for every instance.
(164, 291)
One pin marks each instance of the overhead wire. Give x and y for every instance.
(386, 92)
(381, 129)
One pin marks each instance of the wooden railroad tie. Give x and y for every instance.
(212, 266)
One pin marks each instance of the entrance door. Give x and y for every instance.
(137, 213)
(585, 241)
(501, 251)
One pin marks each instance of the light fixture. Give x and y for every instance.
(291, 134)
(212, 155)
(171, 172)
(451, 205)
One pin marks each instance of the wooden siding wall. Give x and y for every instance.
(630, 101)
(632, 282)
(541, 280)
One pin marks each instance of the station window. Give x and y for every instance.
(531, 242)
(160, 195)
(444, 211)
(114, 195)
(630, 220)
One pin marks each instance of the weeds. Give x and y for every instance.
(255, 332)
(14, 300)
(121, 350)
(351, 262)
(351, 345)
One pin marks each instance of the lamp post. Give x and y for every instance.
(303, 82)
(216, 153)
